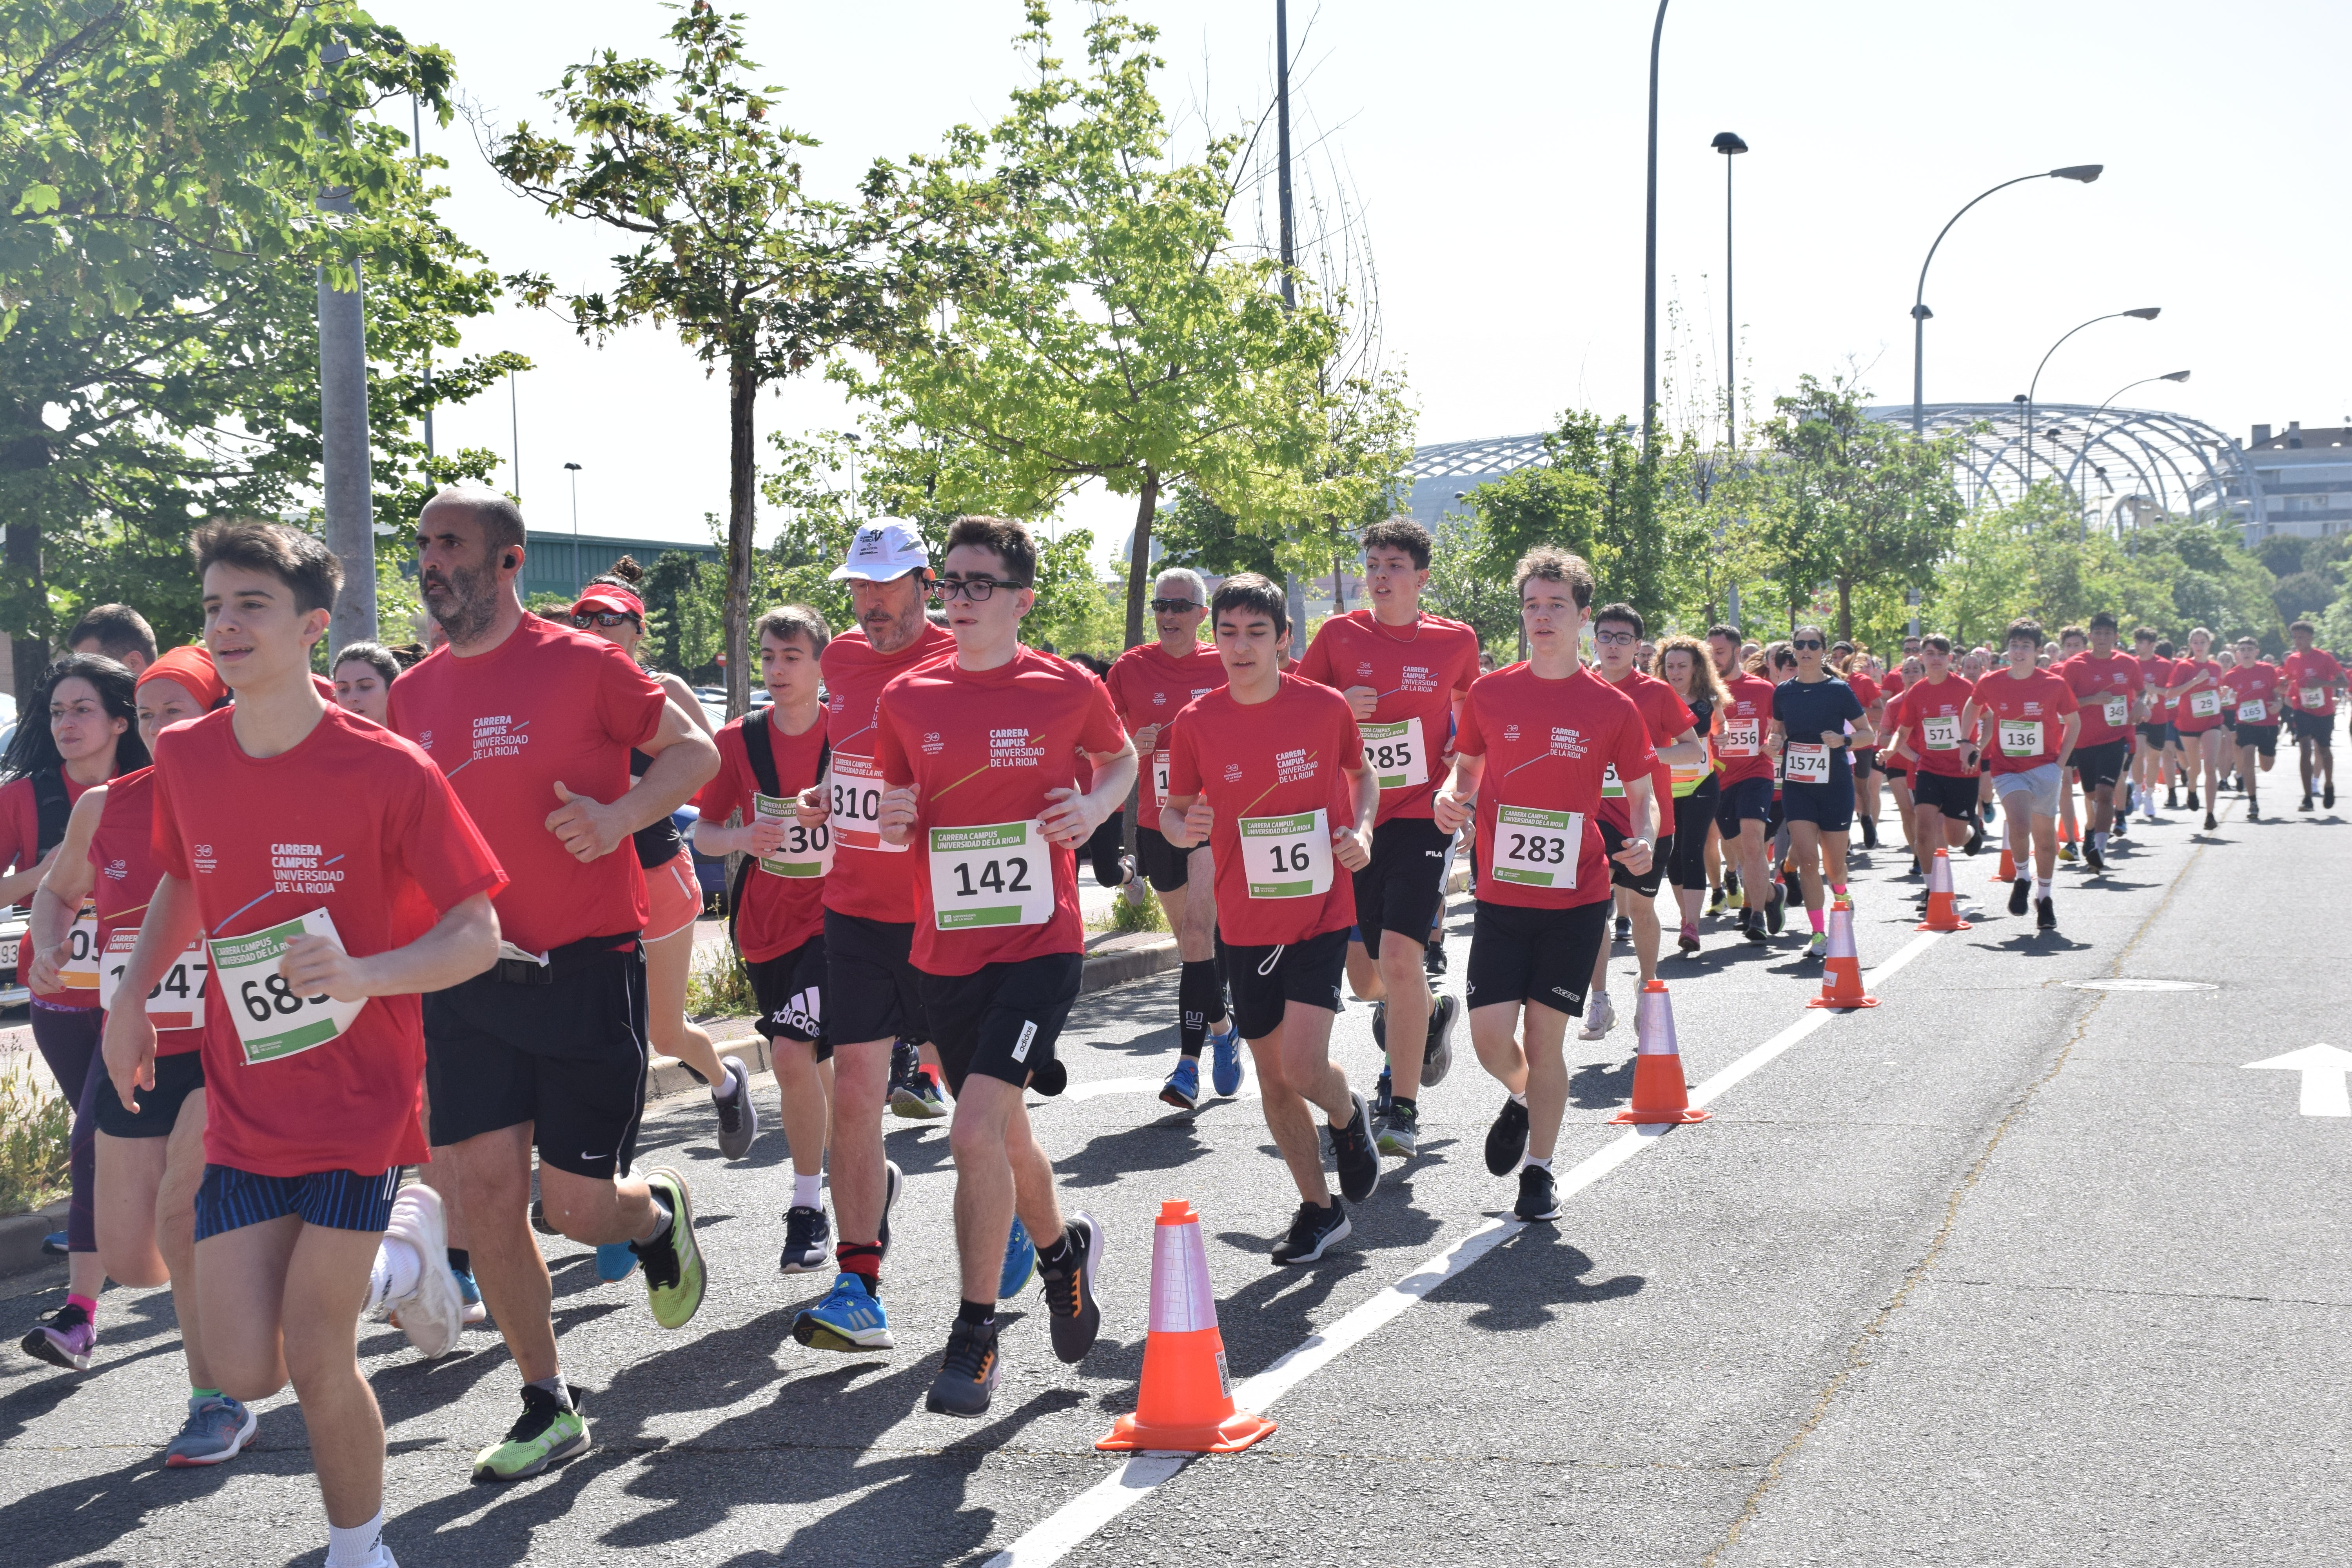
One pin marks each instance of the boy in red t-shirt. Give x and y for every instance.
(2256, 704)
(2032, 718)
(1934, 738)
(2313, 677)
(336, 877)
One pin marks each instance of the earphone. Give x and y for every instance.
(508, 560)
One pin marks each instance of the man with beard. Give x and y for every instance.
(532, 723)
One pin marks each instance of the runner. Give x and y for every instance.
(2147, 769)
(2107, 685)
(2256, 704)
(2160, 701)
(1149, 685)
(1743, 753)
(337, 876)
(77, 729)
(1403, 673)
(118, 632)
(2195, 692)
(1685, 667)
(2312, 677)
(533, 723)
(1816, 720)
(1616, 631)
(1854, 669)
(1271, 771)
(978, 757)
(363, 675)
(766, 758)
(1536, 743)
(2034, 716)
(1933, 736)
(1898, 770)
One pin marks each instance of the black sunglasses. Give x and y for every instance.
(1174, 606)
(1805, 642)
(603, 618)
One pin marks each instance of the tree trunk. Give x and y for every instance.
(1139, 555)
(28, 645)
(743, 513)
(1338, 584)
(1845, 609)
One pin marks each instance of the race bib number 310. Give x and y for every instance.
(852, 784)
(272, 1021)
(805, 853)
(992, 874)
(1397, 753)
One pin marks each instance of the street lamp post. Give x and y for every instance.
(2145, 313)
(1650, 255)
(1728, 144)
(2084, 173)
(2174, 376)
(579, 572)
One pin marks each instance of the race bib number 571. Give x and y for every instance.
(272, 1021)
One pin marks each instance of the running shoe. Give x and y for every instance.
(1358, 1164)
(1716, 905)
(1751, 926)
(1437, 1056)
(1507, 1140)
(616, 1262)
(2171, 799)
(2209, 823)
(1869, 833)
(808, 1240)
(434, 1312)
(65, 1340)
(2020, 894)
(2192, 800)
(2066, 853)
(738, 1118)
(1975, 835)
(892, 1180)
(1312, 1232)
(1817, 945)
(1730, 883)
(2093, 858)
(2327, 798)
(1225, 1060)
(1399, 1133)
(1600, 1017)
(1433, 960)
(2306, 805)
(673, 1259)
(1776, 915)
(1688, 941)
(547, 1432)
(848, 1318)
(1624, 928)
(1384, 1095)
(1537, 1198)
(1020, 1262)
(967, 1374)
(57, 1244)
(217, 1429)
(1182, 1088)
(1381, 1027)
(470, 1293)
(2147, 813)
(1076, 1316)
(2045, 915)
(2252, 814)
(905, 1061)
(929, 1102)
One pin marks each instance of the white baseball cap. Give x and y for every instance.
(884, 551)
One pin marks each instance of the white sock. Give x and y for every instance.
(724, 1089)
(2040, 887)
(1520, 1100)
(393, 1277)
(355, 1547)
(661, 1220)
(1542, 1165)
(808, 1190)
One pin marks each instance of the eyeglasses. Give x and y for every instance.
(1805, 642)
(1616, 639)
(1173, 607)
(976, 589)
(603, 618)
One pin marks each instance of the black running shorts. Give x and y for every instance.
(2316, 727)
(789, 990)
(1540, 956)
(2263, 738)
(1404, 886)
(2097, 767)
(1161, 863)
(177, 1076)
(871, 989)
(1647, 884)
(1267, 980)
(1955, 797)
(1001, 1020)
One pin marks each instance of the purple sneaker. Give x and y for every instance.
(66, 1339)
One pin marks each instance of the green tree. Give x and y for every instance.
(1465, 587)
(1596, 493)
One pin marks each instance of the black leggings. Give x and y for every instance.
(1103, 850)
(68, 1042)
(1693, 814)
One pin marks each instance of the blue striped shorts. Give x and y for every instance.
(231, 1199)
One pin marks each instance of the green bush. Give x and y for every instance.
(34, 1131)
(719, 986)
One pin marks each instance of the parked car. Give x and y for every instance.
(709, 871)
(13, 925)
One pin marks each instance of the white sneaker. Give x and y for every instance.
(1600, 1017)
(432, 1314)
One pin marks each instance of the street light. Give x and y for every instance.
(2089, 433)
(1650, 256)
(1728, 144)
(2145, 313)
(579, 572)
(2084, 173)
(2143, 380)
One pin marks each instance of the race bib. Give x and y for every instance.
(177, 1001)
(1688, 776)
(2205, 704)
(272, 1021)
(1612, 787)
(1740, 738)
(1941, 734)
(805, 853)
(1806, 763)
(2020, 737)
(1396, 754)
(1160, 778)
(2251, 712)
(1537, 848)
(991, 874)
(80, 971)
(1287, 857)
(2115, 710)
(2314, 698)
(853, 786)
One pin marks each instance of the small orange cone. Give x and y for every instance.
(2007, 871)
(1659, 1093)
(1186, 1405)
(1941, 915)
(1842, 970)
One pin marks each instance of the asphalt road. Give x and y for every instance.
(2008, 1270)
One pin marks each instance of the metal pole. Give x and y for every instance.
(1282, 141)
(579, 571)
(1650, 253)
(514, 413)
(416, 145)
(1730, 328)
(343, 440)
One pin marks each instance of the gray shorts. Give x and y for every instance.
(2039, 785)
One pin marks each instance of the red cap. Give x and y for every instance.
(617, 601)
(192, 666)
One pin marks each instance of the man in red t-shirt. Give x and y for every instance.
(533, 722)
(1934, 739)
(1270, 769)
(978, 755)
(2032, 718)
(1538, 743)
(1616, 634)
(2148, 721)
(2195, 692)
(1150, 684)
(335, 875)
(1403, 673)
(2107, 684)
(1745, 751)
(2257, 703)
(2311, 676)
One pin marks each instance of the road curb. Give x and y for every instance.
(20, 1239)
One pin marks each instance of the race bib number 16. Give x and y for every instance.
(272, 1021)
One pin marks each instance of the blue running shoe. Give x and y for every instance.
(616, 1262)
(846, 1320)
(1182, 1088)
(1225, 1060)
(1020, 1262)
(469, 1296)
(53, 1245)
(217, 1429)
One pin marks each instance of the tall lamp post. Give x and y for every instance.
(1650, 255)
(579, 572)
(2086, 172)
(1728, 144)
(2175, 376)
(2145, 313)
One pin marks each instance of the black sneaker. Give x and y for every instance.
(1751, 925)
(2172, 800)
(1353, 1152)
(2306, 804)
(892, 1179)
(1775, 913)
(1437, 1054)
(1730, 883)
(2020, 894)
(1312, 1232)
(1383, 1092)
(2045, 915)
(2327, 798)
(1506, 1140)
(808, 1241)
(1537, 1198)
(2252, 814)
(1976, 836)
(1433, 961)
(1869, 833)
(967, 1373)
(1076, 1316)
(1381, 1026)
(2192, 800)
(1624, 928)
(2210, 823)
(2091, 854)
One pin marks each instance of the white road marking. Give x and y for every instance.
(2322, 1066)
(1100, 1087)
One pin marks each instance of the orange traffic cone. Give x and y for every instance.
(2007, 871)
(1187, 1400)
(1659, 1093)
(1842, 969)
(1941, 915)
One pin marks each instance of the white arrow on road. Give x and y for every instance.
(2324, 1091)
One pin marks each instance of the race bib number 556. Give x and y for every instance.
(272, 1021)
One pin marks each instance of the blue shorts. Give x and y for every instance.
(1828, 807)
(231, 1199)
(1750, 798)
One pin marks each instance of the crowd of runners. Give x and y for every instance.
(410, 933)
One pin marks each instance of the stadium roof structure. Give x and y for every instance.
(2124, 463)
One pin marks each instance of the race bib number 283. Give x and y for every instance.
(272, 1021)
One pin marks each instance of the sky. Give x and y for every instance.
(1498, 154)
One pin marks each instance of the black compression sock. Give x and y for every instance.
(981, 1313)
(1410, 1107)
(1055, 1256)
(461, 1261)
(1196, 1004)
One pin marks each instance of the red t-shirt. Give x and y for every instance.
(20, 850)
(1548, 745)
(1739, 727)
(123, 853)
(1866, 690)
(1417, 673)
(2255, 682)
(1667, 716)
(870, 879)
(1939, 701)
(547, 704)
(1288, 756)
(778, 913)
(358, 822)
(2041, 699)
(982, 748)
(1147, 686)
(2093, 681)
(2317, 671)
(2183, 672)
(1892, 687)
